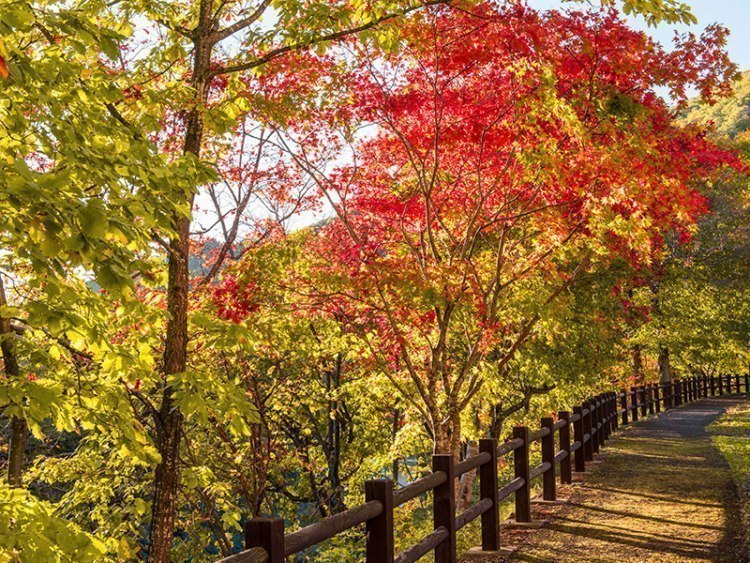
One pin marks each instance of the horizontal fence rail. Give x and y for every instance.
(567, 443)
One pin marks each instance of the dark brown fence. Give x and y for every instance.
(580, 434)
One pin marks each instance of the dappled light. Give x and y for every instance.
(373, 280)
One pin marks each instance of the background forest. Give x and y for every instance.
(253, 254)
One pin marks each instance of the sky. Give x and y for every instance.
(734, 14)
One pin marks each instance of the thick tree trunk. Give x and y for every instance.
(665, 368)
(169, 423)
(18, 433)
(447, 434)
(441, 440)
(18, 428)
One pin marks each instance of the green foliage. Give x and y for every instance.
(30, 531)
(656, 11)
(729, 116)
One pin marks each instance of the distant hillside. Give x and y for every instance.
(731, 115)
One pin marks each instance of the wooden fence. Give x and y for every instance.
(592, 423)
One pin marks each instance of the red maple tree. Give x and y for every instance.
(511, 150)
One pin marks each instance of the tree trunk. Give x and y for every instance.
(396, 423)
(333, 382)
(466, 482)
(169, 423)
(637, 355)
(447, 439)
(18, 428)
(18, 433)
(665, 368)
(441, 440)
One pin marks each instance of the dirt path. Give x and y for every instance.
(662, 493)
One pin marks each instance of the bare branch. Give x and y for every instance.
(242, 24)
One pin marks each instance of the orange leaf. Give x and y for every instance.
(3, 68)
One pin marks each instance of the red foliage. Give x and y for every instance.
(502, 122)
(504, 145)
(234, 301)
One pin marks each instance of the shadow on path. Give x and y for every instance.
(663, 493)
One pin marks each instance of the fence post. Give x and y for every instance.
(657, 397)
(650, 392)
(578, 432)
(380, 529)
(686, 391)
(588, 445)
(634, 402)
(705, 385)
(713, 385)
(565, 472)
(549, 490)
(678, 392)
(599, 423)
(644, 402)
(747, 384)
(613, 411)
(444, 508)
(737, 382)
(522, 470)
(624, 406)
(488, 489)
(721, 384)
(596, 432)
(267, 533)
(668, 387)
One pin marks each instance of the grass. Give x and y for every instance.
(731, 435)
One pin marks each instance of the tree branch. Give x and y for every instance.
(324, 38)
(242, 24)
